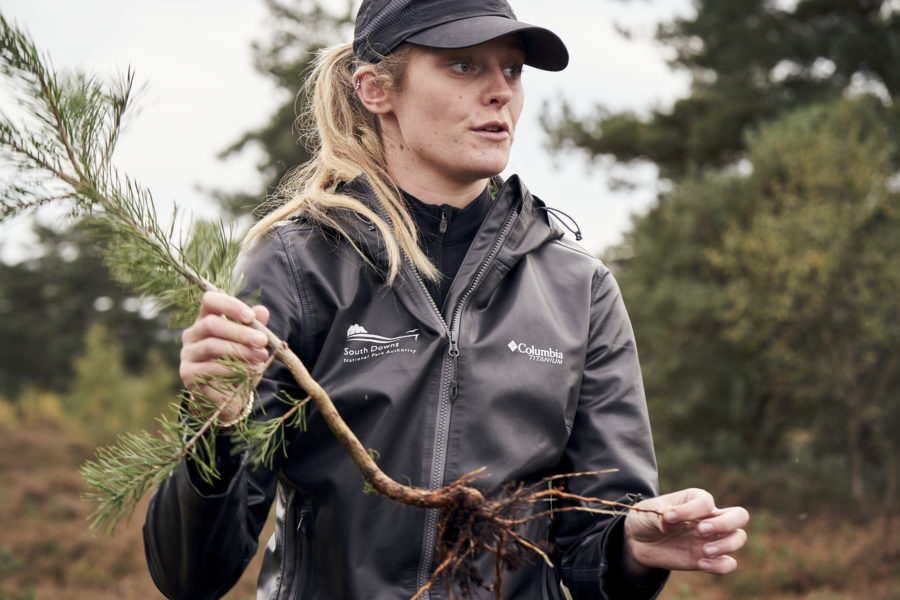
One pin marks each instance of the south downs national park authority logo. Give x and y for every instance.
(362, 345)
(541, 355)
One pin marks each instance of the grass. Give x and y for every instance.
(48, 552)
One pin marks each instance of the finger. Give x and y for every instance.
(725, 545)
(212, 326)
(204, 359)
(231, 400)
(721, 565)
(219, 303)
(203, 376)
(696, 505)
(194, 375)
(221, 368)
(724, 522)
(199, 370)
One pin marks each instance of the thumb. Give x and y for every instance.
(692, 505)
(261, 313)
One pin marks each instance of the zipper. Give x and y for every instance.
(437, 462)
(304, 514)
(482, 269)
(442, 430)
(454, 356)
(288, 510)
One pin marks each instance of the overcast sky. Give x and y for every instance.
(202, 92)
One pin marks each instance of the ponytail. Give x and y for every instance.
(346, 142)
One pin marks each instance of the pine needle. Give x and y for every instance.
(62, 151)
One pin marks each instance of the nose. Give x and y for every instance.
(498, 87)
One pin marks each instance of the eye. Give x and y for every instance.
(514, 72)
(462, 67)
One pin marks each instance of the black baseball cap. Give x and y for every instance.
(382, 25)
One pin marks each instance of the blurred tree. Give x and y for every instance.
(765, 308)
(749, 61)
(49, 302)
(301, 28)
(105, 400)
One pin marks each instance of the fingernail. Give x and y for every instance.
(704, 527)
(248, 315)
(712, 550)
(258, 339)
(704, 565)
(671, 515)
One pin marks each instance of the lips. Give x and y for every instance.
(495, 127)
(493, 132)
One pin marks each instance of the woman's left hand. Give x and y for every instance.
(691, 534)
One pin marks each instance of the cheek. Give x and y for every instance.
(516, 106)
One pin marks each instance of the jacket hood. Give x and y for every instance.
(531, 229)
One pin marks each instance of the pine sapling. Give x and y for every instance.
(63, 152)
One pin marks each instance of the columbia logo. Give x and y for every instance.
(544, 355)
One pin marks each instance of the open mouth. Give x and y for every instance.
(493, 128)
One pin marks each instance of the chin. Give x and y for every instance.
(490, 169)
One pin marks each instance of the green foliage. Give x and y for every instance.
(764, 306)
(262, 440)
(57, 296)
(120, 475)
(36, 406)
(301, 28)
(750, 61)
(66, 144)
(71, 127)
(761, 286)
(105, 399)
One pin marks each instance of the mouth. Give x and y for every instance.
(493, 128)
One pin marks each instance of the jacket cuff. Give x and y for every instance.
(227, 463)
(183, 524)
(617, 583)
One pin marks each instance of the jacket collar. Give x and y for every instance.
(516, 223)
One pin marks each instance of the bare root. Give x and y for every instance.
(472, 525)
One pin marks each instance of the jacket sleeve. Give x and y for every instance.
(198, 539)
(611, 430)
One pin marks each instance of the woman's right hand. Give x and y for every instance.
(222, 330)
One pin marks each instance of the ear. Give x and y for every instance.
(371, 91)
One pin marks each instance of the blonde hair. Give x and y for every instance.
(346, 142)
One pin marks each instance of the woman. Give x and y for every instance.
(453, 326)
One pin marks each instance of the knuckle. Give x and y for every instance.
(210, 347)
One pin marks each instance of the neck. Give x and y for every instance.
(438, 192)
(425, 183)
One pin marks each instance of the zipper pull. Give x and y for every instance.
(454, 355)
(443, 226)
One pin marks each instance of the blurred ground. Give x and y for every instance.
(47, 551)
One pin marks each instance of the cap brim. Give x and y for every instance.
(543, 48)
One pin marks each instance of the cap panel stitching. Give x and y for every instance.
(387, 16)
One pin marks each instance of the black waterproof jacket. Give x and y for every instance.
(530, 369)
